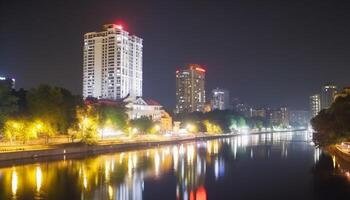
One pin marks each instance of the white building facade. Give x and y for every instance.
(140, 107)
(112, 67)
(315, 105)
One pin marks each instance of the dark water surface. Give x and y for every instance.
(267, 166)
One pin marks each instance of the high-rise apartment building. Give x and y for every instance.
(220, 99)
(279, 117)
(327, 95)
(190, 90)
(315, 105)
(298, 118)
(112, 64)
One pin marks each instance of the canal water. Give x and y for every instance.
(265, 166)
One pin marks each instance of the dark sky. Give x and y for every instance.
(265, 52)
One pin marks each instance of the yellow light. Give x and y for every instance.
(38, 126)
(135, 130)
(156, 163)
(85, 121)
(110, 192)
(107, 170)
(157, 127)
(85, 182)
(190, 127)
(38, 178)
(15, 125)
(14, 182)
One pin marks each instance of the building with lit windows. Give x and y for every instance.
(220, 99)
(259, 112)
(190, 90)
(315, 105)
(327, 95)
(299, 118)
(112, 67)
(139, 107)
(279, 117)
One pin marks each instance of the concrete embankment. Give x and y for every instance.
(100, 148)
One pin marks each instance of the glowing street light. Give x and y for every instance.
(157, 128)
(190, 128)
(135, 130)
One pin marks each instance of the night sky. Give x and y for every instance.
(265, 52)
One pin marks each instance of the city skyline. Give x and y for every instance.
(248, 64)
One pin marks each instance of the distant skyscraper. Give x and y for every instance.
(259, 112)
(327, 95)
(220, 99)
(112, 64)
(240, 107)
(279, 117)
(299, 118)
(7, 82)
(190, 90)
(315, 105)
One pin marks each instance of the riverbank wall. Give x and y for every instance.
(76, 148)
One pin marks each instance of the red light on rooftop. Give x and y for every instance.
(200, 69)
(119, 26)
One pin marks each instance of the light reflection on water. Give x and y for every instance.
(126, 175)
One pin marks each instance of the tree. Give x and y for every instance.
(13, 129)
(8, 104)
(54, 106)
(332, 125)
(142, 124)
(22, 129)
(114, 116)
(86, 127)
(212, 128)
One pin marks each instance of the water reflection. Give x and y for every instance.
(126, 175)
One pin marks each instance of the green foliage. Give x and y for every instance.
(86, 127)
(333, 125)
(225, 120)
(8, 104)
(53, 105)
(112, 115)
(143, 124)
(23, 129)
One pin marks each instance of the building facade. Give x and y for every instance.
(299, 118)
(279, 117)
(315, 105)
(240, 107)
(259, 112)
(190, 89)
(327, 95)
(220, 99)
(112, 67)
(139, 107)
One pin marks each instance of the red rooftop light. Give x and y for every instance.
(200, 69)
(118, 26)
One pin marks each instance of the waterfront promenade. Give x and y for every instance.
(18, 152)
